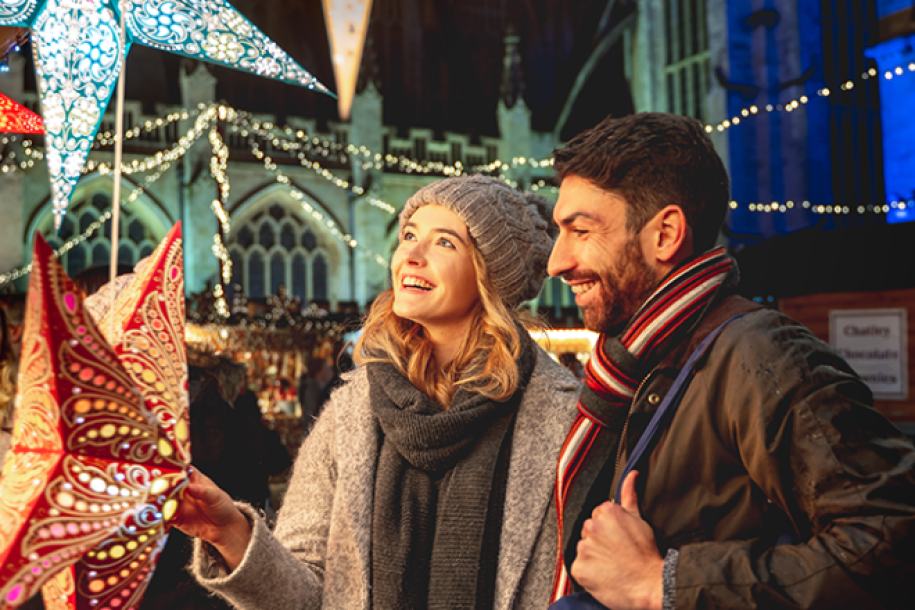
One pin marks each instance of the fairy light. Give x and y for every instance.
(299, 196)
(822, 209)
(794, 104)
(94, 226)
(300, 145)
(219, 162)
(263, 130)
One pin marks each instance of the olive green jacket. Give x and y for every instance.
(777, 481)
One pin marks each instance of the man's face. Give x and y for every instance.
(599, 257)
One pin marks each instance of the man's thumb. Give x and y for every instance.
(629, 499)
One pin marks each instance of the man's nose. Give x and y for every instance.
(561, 259)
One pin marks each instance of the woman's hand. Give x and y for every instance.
(208, 513)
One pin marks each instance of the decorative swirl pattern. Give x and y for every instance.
(149, 324)
(14, 12)
(58, 591)
(91, 502)
(77, 58)
(120, 567)
(18, 489)
(38, 415)
(16, 118)
(214, 31)
(77, 51)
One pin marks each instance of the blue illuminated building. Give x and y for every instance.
(895, 58)
(826, 155)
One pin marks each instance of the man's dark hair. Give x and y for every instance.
(653, 160)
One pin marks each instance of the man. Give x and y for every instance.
(775, 483)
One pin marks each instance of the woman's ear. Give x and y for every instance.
(670, 237)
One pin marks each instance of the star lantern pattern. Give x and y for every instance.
(76, 46)
(101, 440)
(16, 118)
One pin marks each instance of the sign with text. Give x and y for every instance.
(875, 344)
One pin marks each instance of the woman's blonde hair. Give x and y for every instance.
(484, 363)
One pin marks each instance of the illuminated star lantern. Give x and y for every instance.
(76, 44)
(16, 118)
(101, 440)
(346, 25)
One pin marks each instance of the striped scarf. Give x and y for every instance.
(619, 364)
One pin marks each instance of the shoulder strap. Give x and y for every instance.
(668, 407)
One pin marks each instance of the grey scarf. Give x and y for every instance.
(439, 492)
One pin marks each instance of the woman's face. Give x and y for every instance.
(435, 283)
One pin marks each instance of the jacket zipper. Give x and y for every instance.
(619, 449)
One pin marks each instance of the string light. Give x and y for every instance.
(796, 103)
(94, 226)
(299, 196)
(783, 207)
(247, 125)
(219, 162)
(243, 123)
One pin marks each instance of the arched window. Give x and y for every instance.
(274, 246)
(67, 229)
(319, 277)
(100, 254)
(277, 272)
(86, 219)
(136, 231)
(299, 277)
(287, 236)
(76, 259)
(256, 275)
(125, 255)
(245, 237)
(267, 236)
(136, 240)
(238, 273)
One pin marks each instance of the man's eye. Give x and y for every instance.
(580, 231)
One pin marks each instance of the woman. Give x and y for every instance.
(427, 480)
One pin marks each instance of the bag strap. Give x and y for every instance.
(668, 407)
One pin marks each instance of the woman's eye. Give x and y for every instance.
(408, 236)
(444, 242)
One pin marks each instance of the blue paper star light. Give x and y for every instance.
(76, 48)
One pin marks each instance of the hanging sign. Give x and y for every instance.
(875, 344)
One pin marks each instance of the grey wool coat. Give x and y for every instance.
(320, 553)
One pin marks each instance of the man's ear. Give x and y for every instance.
(670, 238)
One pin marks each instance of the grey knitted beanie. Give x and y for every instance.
(512, 230)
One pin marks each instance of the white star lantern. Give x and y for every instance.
(347, 21)
(76, 45)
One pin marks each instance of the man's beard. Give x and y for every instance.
(623, 291)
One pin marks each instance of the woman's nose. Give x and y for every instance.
(416, 256)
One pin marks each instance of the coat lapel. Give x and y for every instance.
(358, 438)
(544, 417)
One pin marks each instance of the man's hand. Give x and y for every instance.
(618, 561)
(208, 513)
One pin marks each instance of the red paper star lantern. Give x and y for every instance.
(101, 440)
(16, 118)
